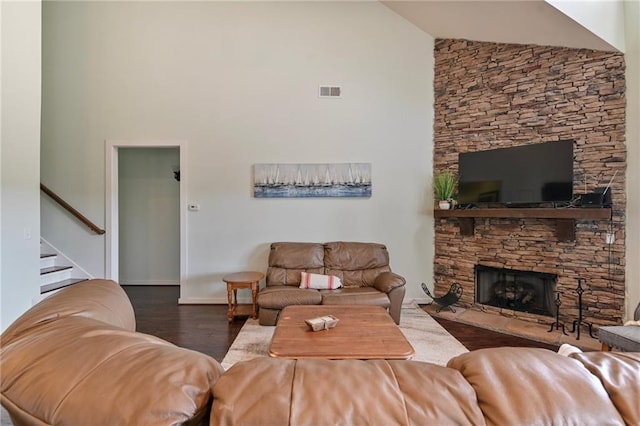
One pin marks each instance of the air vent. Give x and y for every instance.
(330, 92)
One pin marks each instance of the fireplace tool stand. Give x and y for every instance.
(579, 322)
(558, 325)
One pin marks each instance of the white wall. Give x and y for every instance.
(19, 164)
(239, 81)
(605, 18)
(149, 216)
(632, 58)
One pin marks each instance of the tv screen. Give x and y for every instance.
(528, 174)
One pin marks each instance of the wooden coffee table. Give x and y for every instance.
(363, 332)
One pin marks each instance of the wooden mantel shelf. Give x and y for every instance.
(533, 213)
(565, 217)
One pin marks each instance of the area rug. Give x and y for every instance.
(430, 340)
(5, 420)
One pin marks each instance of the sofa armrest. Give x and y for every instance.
(387, 281)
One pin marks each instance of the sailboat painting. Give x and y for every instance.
(311, 180)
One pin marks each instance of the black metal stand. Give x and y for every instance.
(452, 296)
(579, 322)
(558, 325)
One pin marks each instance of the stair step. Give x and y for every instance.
(60, 284)
(45, 255)
(52, 269)
(48, 260)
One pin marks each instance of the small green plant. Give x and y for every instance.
(444, 184)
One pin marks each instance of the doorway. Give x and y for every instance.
(149, 216)
(114, 195)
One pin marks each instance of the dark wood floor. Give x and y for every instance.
(205, 328)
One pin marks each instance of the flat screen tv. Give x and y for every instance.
(530, 174)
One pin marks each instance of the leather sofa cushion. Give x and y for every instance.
(358, 278)
(352, 256)
(278, 297)
(102, 300)
(288, 260)
(74, 358)
(355, 296)
(620, 375)
(81, 371)
(297, 255)
(280, 392)
(356, 264)
(534, 386)
(288, 277)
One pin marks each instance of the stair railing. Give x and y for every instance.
(71, 210)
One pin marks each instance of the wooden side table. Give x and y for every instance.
(247, 279)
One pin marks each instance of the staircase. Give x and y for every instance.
(56, 271)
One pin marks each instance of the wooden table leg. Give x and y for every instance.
(254, 299)
(235, 301)
(230, 302)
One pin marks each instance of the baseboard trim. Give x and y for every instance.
(206, 300)
(149, 282)
(421, 300)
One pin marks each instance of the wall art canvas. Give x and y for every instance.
(312, 180)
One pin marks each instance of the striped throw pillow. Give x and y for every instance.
(319, 282)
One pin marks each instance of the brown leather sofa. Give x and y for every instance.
(500, 386)
(363, 269)
(74, 359)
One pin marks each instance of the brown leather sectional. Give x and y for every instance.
(75, 359)
(363, 269)
(501, 386)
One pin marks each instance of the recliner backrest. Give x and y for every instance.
(287, 260)
(356, 264)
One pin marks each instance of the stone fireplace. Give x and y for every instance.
(523, 291)
(490, 95)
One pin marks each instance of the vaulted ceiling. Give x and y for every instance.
(522, 22)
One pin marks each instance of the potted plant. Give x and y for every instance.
(444, 184)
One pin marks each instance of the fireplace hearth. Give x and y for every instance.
(524, 291)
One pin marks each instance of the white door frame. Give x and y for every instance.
(111, 202)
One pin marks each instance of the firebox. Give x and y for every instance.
(524, 291)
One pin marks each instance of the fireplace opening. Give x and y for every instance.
(524, 291)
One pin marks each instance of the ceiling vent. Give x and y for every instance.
(330, 92)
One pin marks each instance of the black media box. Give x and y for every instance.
(600, 198)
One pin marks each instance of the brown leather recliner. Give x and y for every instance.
(363, 269)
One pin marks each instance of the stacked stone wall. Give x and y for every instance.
(490, 95)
